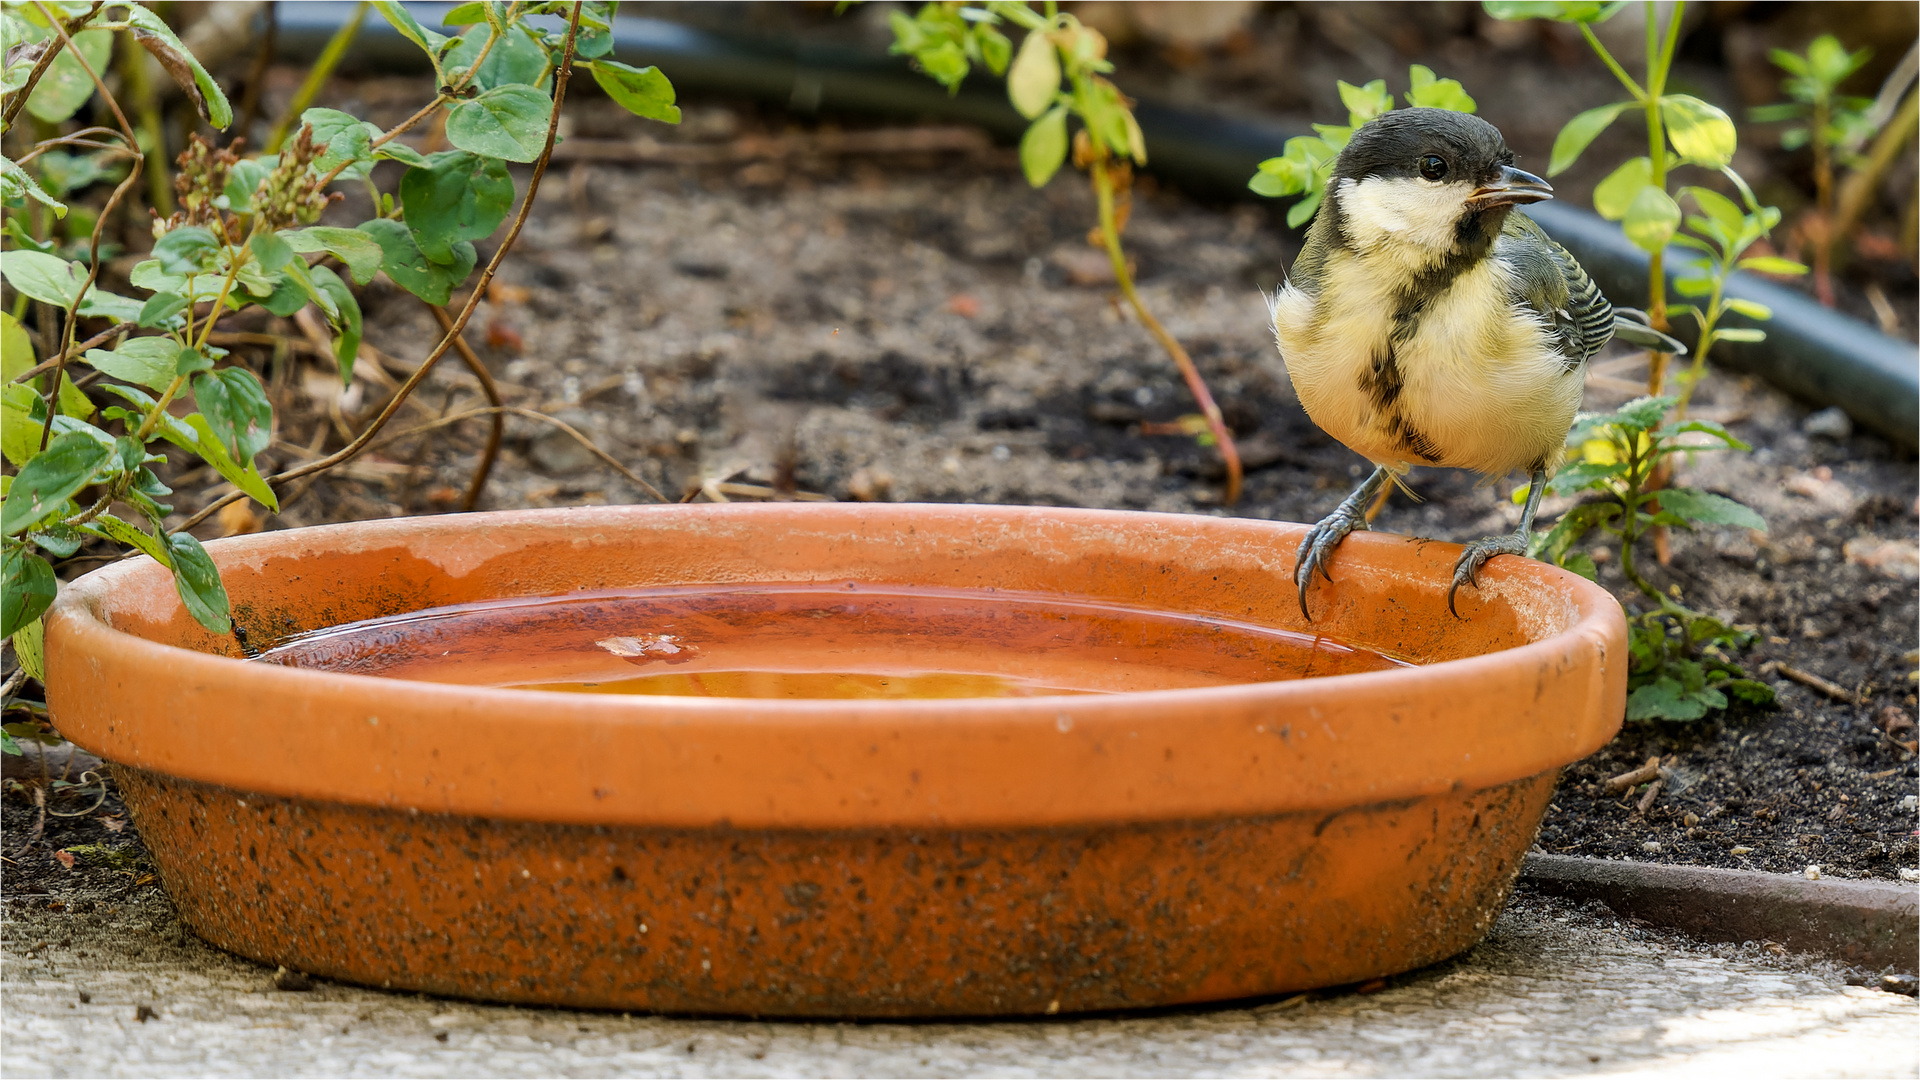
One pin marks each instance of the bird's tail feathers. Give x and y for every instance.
(1630, 325)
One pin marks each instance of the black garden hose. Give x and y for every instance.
(1811, 352)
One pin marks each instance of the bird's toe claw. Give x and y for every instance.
(1317, 549)
(1466, 571)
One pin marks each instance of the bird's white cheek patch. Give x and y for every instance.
(1376, 211)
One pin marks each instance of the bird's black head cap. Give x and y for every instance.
(1405, 142)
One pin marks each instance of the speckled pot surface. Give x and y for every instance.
(841, 858)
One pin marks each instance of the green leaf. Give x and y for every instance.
(1302, 212)
(65, 85)
(1582, 475)
(1667, 699)
(360, 252)
(1615, 194)
(1752, 309)
(408, 267)
(344, 137)
(1034, 80)
(1693, 286)
(190, 361)
(188, 249)
(144, 361)
(641, 91)
(161, 309)
(16, 348)
(1751, 691)
(1724, 211)
(198, 582)
(195, 434)
(994, 48)
(459, 196)
(47, 278)
(1652, 219)
(1705, 427)
(43, 485)
(1365, 102)
(402, 153)
(150, 29)
(270, 251)
(1044, 147)
(1580, 132)
(30, 589)
(515, 59)
(1744, 334)
(1702, 133)
(465, 15)
(507, 122)
(434, 44)
(112, 528)
(235, 405)
(16, 184)
(30, 648)
(1580, 11)
(1431, 92)
(1772, 264)
(1706, 508)
(57, 539)
(346, 323)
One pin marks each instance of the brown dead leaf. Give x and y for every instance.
(114, 824)
(964, 305)
(64, 858)
(499, 292)
(238, 519)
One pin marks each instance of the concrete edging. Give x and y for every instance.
(1871, 923)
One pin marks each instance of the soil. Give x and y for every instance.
(911, 324)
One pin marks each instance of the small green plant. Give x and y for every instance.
(1680, 666)
(1622, 462)
(1682, 130)
(1838, 128)
(243, 233)
(1306, 163)
(1059, 74)
(1722, 232)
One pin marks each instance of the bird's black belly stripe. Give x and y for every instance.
(1381, 382)
(1413, 439)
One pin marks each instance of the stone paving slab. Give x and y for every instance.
(1556, 990)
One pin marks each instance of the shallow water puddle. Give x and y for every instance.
(787, 641)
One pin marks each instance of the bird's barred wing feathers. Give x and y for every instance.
(1554, 283)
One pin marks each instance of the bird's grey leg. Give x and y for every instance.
(1351, 514)
(1514, 543)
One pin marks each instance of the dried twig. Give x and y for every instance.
(1652, 793)
(635, 478)
(1826, 686)
(487, 386)
(1633, 779)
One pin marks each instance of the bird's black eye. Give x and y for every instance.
(1432, 167)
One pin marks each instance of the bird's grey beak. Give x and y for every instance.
(1515, 187)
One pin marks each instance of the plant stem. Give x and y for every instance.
(1862, 184)
(317, 77)
(487, 387)
(1110, 235)
(146, 105)
(1613, 65)
(1659, 59)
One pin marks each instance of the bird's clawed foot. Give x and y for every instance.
(1318, 547)
(1467, 570)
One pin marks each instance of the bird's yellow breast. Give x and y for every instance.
(1478, 383)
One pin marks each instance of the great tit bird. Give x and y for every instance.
(1426, 322)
